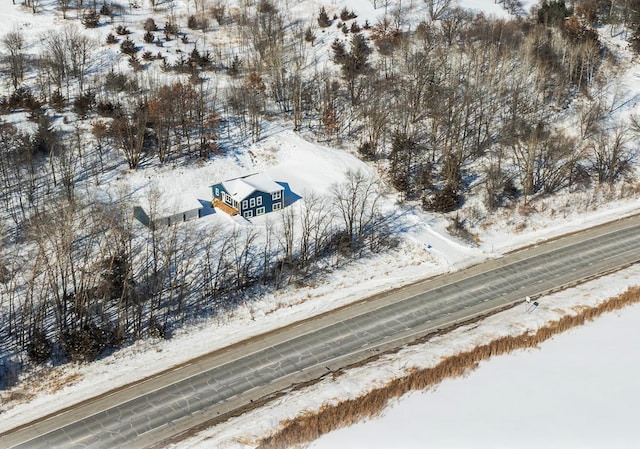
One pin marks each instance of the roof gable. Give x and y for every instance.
(241, 188)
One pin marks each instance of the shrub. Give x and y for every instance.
(367, 151)
(39, 348)
(204, 61)
(218, 14)
(345, 14)
(236, 65)
(553, 12)
(309, 35)
(91, 18)
(170, 29)
(115, 82)
(323, 18)
(84, 344)
(128, 47)
(635, 41)
(111, 39)
(149, 37)
(108, 109)
(106, 10)
(57, 101)
(156, 329)
(444, 200)
(22, 98)
(134, 62)
(84, 103)
(150, 25)
(122, 30)
(44, 140)
(458, 228)
(192, 22)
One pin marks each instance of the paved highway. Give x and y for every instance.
(147, 413)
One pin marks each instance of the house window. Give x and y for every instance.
(260, 210)
(276, 195)
(259, 201)
(277, 206)
(244, 204)
(248, 214)
(252, 202)
(217, 192)
(227, 199)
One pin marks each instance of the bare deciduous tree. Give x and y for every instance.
(287, 235)
(128, 131)
(436, 8)
(13, 42)
(611, 155)
(314, 225)
(357, 201)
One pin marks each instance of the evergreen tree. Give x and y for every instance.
(553, 13)
(403, 149)
(323, 18)
(360, 52)
(339, 52)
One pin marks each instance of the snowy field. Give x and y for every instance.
(579, 390)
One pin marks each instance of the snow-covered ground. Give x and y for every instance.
(426, 249)
(492, 7)
(413, 260)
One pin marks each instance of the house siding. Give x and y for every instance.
(249, 206)
(252, 206)
(220, 193)
(180, 217)
(217, 190)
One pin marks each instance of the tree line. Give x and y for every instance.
(95, 279)
(466, 82)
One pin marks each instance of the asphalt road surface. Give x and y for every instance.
(145, 414)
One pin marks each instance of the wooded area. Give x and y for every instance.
(461, 105)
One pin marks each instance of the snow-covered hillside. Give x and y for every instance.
(310, 163)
